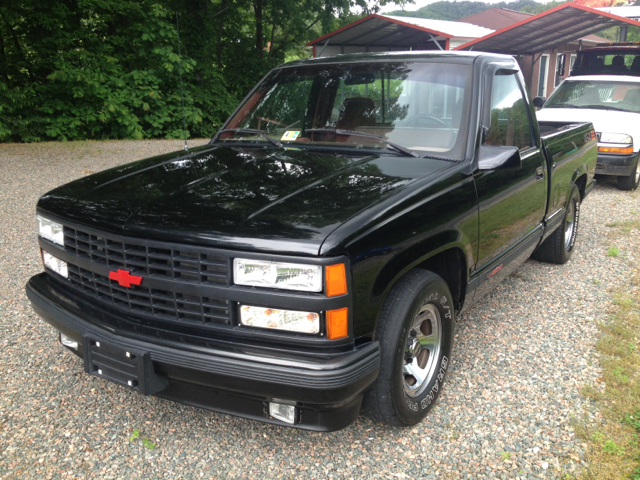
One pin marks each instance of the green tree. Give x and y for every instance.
(80, 69)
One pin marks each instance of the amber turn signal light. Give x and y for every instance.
(615, 149)
(337, 323)
(336, 280)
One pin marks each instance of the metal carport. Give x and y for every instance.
(564, 23)
(384, 33)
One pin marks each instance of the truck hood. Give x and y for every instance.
(267, 199)
(610, 121)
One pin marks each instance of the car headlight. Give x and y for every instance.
(290, 320)
(287, 276)
(55, 264)
(615, 138)
(50, 230)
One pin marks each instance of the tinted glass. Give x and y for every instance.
(510, 124)
(599, 95)
(610, 63)
(417, 105)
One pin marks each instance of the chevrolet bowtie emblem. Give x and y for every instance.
(124, 279)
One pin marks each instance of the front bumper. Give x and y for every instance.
(233, 379)
(619, 165)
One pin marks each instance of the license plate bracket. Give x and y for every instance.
(121, 364)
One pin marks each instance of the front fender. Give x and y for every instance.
(413, 256)
(448, 218)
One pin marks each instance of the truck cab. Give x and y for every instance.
(608, 59)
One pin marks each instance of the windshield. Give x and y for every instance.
(593, 94)
(418, 106)
(612, 62)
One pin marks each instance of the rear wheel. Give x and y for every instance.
(631, 181)
(558, 247)
(415, 331)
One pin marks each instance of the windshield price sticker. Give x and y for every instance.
(290, 135)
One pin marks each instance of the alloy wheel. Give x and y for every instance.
(422, 350)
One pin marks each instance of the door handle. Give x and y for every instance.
(539, 174)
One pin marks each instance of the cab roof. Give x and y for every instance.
(413, 56)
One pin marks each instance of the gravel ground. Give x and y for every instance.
(522, 355)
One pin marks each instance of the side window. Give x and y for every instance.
(510, 124)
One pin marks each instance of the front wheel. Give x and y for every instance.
(415, 331)
(558, 247)
(631, 181)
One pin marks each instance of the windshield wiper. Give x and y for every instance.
(250, 131)
(340, 131)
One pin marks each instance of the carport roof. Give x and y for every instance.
(386, 30)
(562, 24)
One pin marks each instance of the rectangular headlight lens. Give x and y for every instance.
(606, 137)
(50, 230)
(289, 320)
(55, 264)
(288, 276)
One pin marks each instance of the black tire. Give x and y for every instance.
(558, 247)
(418, 311)
(631, 181)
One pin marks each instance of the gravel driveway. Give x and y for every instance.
(521, 356)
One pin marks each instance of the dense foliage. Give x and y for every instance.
(99, 69)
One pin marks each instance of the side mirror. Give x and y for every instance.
(538, 102)
(492, 157)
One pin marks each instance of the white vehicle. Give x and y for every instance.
(612, 104)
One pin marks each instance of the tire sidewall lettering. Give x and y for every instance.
(426, 400)
(576, 221)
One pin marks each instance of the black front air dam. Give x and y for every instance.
(328, 395)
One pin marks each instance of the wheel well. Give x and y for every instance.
(581, 183)
(451, 266)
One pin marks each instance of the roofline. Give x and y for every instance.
(600, 46)
(604, 78)
(544, 14)
(515, 11)
(380, 17)
(386, 56)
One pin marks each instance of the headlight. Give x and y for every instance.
(615, 138)
(50, 230)
(288, 276)
(55, 264)
(293, 321)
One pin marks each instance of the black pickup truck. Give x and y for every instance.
(310, 261)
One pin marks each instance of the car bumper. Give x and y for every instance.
(326, 390)
(619, 165)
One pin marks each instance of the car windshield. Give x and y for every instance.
(623, 96)
(416, 106)
(613, 62)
